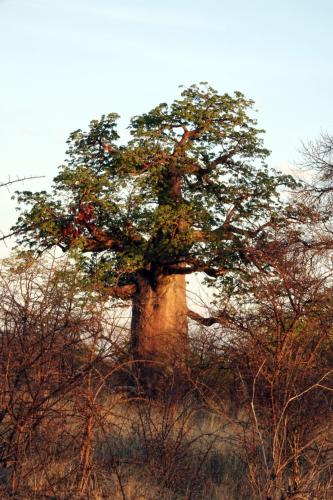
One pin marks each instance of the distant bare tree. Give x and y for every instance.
(318, 160)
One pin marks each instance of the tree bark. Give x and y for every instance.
(159, 321)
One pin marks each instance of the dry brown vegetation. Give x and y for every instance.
(251, 421)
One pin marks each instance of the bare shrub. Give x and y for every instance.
(275, 353)
(52, 368)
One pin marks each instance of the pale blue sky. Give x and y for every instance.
(64, 63)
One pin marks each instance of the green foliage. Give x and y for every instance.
(190, 189)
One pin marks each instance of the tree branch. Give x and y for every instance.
(99, 245)
(206, 321)
(21, 179)
(121, 291)
(181, 268)
(224, 232)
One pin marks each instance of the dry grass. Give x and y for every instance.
(144, 449)
(154, 449)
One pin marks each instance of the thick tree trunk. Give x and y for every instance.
(159, 323)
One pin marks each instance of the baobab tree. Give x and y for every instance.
(190, 192)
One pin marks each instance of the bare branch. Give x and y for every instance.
(121, 291)
(206, 321)
(21, 179)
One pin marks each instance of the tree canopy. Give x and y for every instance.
(187, 192)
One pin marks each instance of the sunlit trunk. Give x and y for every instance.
(159, 323)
